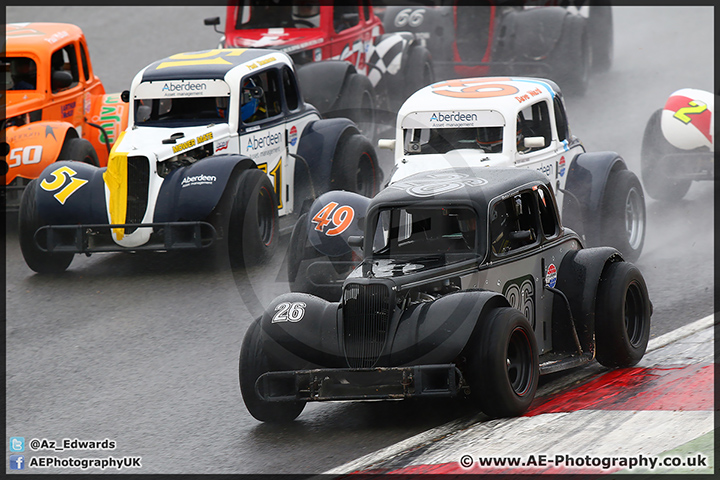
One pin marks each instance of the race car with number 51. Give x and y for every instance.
(220, 145)
(470, 287)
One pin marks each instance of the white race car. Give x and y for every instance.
(678, 146)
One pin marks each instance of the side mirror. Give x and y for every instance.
(534, 142)
(388, 144)
(125, 96)
(61, 79)
(214, 21)
(356, 241)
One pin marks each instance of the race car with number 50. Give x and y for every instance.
(470, 287)
(517, 122)
(220, 144)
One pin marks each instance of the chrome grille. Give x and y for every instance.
(138, 178)
(366, 317)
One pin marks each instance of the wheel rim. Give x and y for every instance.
(519, 362)
(365, 171)
(634, 315)
(266, 219)
(634, 221)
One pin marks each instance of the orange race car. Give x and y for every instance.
(56, 107)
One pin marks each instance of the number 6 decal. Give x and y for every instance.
(60, 177)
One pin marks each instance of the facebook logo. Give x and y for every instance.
(17, 462)
(17, 444)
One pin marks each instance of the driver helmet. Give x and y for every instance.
(307, 11)
(249, 103)
(489, 139)
(23, 73)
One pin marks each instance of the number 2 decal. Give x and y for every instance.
(289, 312)
(342, 218)
(61, 175)
(693, 109)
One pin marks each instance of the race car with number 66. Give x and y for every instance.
(220, 145)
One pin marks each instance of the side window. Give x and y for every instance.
(260, 97)
(64, 60)
(534, 121)
(345, 16)
(548, 218)
(366, 10)
(560, 119)
(85, 64)
(290, 88)
(513, 223)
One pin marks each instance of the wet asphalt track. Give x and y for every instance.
(142, 349)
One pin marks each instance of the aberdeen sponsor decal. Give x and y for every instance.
(198, 180)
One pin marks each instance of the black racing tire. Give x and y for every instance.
(357, 102)
(657, 182)
(600, 28)
(623, 215)
(28, 222)
(253, 363)
(80, 150)
(504, 367)
(251, 219)
(622, 319)
(418, 71)
(355, 166)
(572, 59)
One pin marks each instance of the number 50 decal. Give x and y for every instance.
(60, 177)
(341, 218)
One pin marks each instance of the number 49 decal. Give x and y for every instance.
(342, 218)
(60, 177)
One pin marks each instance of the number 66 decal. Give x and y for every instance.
(342, 218)
(60, 177)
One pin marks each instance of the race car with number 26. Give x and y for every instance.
(470, 287)
(220, 145)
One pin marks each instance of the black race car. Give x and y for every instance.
(470, 287)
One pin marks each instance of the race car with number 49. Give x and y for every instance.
(220, 145)
(470, 287)
(517, 122)
(679, 144)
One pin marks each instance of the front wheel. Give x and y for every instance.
(355, 166)
(253, 363)
(623, 214)
(622, 323)
(504, 367)
(29, 221)
(80, 150)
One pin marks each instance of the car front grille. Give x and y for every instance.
(138, 178)
(366, 318)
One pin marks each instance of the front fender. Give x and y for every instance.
(71, 192)
(333, 218)
(191, 193)
(33, 147)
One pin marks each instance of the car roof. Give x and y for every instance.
(471, 186)
(505, 94)
(39, 37)
(190, 65)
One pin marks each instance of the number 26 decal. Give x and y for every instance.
(289, 312)
(342, 218)
(60, 177)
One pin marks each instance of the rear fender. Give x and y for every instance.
(536, 31)
(299, 331)
(34, 146)
(71, 192)
(438, 332)
(191, 193)
(317, 148)
(107, 117)
(432, 26)
(333, 218)
(322, 82)
(578, 277)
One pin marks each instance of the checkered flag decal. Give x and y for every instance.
(386, 57)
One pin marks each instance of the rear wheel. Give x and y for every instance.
(504, 368)
(253, 363)
(623, 214)
(600, 28)
(357, 102)
(658, 183)
(80, 150)
(29, 221)
(622, 323)
(355, 166)
(572, 60)
(419, 71)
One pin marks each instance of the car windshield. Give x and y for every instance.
(426, 231)
(294, 14)
(163, 112)
(420, 141)
(20, 73)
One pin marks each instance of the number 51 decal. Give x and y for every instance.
(61, 175)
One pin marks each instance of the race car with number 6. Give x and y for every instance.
(220, 145)
(517, 122)
(471, 287)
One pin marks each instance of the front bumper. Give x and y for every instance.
(383, 383)
(97, 237)
(688, 165)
